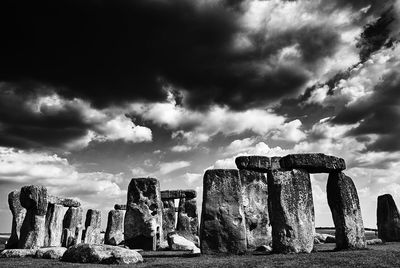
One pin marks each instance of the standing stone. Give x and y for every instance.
(73, 225)
(388, 219)
(255, 204)
(313, 163)
(18, 213)
(54, 225)
(34, 199)
(222, 227)
(188, 220)
(291, 211)
(92, 231)
(143, 218)
(115, 228)
(169, 220)
(254, 163)
(346, 212)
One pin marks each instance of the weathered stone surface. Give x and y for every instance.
(375, 241)
(18, 216)
(120, 207)
(115, 228)
(54, 225)
(388, 219)
(177, 242)
(346, 212)
(275, 164)
(66, 202)
(73, 225)
(325, 238)
(313, 163)
(188, 220)
(177, 194)
(291, 211)
(263, 248)
(104, 254)
(169, 219)
(34, 199)
(256, 163)
(50, 253)
(143, 218)
(91, 234)
(255, 204)
(17, 253)
(222, 227)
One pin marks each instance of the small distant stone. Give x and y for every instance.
(263, 248)
(17, 253)
(325, 238)
(254, 163)
(313, 163)
(375, 241)
(50, 253)
(177, 242)
(120, 206)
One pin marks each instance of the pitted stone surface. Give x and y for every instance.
(17, 253)
(313, 163)
(291, 211)
(143, 218)
(73, 225)
(115, 228)
(18, 216)
(256, 163)
(275, 164)
(176, 194)
(388, 219)
(188, 220)
(50, 253)
(120, 206)
(54, 225)
(222, 227)
(91, 234)
(169, 219)
(346, 212)
(66, 202)
(255, 204)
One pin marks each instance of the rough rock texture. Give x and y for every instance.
(275, 164)
(263, 248)
(255, 204)
(375, 241)
(143, 218)
(177, 242)
(66, 202)
(222, 227)
(50, 253)
(325, 238)
(17, 253)
(177, 194)
(91, 235)
(388, 219)
(346, 212)
(115, 228)
(291, 211)
(120, 207)
(313, 163)
(104, 254)
(72, 227)
(188, 220)
(34, 199)
(169, 220)
(254, 162)
(54, 225)
(18, 216)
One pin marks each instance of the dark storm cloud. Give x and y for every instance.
(112, 51)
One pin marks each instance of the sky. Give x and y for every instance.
(96, 92)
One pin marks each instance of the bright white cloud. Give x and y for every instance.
(181, 148)
(168, 167)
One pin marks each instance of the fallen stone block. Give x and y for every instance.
(388, 219)
(18, 215)
(115, 228)
(17, 253)
(177, 242)
(254, 163)
(375, 241)
(101, 254)
(325, 238)
(50, 253)
(346, 212)
(313, 163)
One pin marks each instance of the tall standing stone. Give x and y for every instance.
(34, 199)
(346, 212)
(169, 219)
(291, 211)
(54, 225)
(388, 219)
(255, 204)
(18, 216)
(72, 227)
(143, 217)
(188, 220)
(115, 228)
(222, 228)
(92, 231)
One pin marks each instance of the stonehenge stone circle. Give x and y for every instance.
(18, 216)
(34, 199)
(255, 205)
(388, 219)
(291, 211)
(169, 219)
(254, 163)
(313, 163)
(72, 227)
(222, 228)
(143, 217)
(188, 220)
(91, 235)
(345, 207)
(115, 228)
(54, 225)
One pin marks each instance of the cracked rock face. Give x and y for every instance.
(169, 221)
(346, 212)
(115, 228)
(18, 215)
(222, 227)
(72, 227)
(313, 163)
(54, 225)
(188, 221)
(143, 218)
(388, 219)
(291, 211)
(92, 231)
